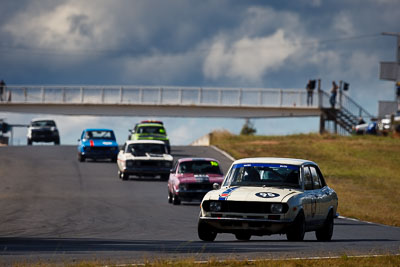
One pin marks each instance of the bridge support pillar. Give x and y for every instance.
(322, 123)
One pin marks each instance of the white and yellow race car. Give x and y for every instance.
(264, 196)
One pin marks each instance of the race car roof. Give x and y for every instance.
(41, 119)
(144, 142)
(98, 129)
(149, 124)
(152, 121)
(288, 161)
(197, 159)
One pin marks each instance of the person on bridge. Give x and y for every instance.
(334, 90)
(310, 89)
(2, 87)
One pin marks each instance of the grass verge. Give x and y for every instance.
(389, 261)
(363, 170)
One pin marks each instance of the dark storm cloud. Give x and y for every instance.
(227, 43)
(150, 41)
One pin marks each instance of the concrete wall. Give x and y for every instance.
(202, 141)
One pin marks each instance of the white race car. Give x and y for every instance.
(144, 158)
(264, 196)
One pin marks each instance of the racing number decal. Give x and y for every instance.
(267, 195)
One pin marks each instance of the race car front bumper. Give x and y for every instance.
(251, 224)
(147, 167)
(100, 152)
(192, 195)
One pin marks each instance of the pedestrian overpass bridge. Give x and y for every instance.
(173, 101)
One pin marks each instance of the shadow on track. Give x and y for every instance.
(16, 245)
(71, 245)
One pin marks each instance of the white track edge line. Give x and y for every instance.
(223, 153)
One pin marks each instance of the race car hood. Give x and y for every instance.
(99, 142)
(152, 136)
(149, 156)
(36, 128)
(196, 178)
(247, 193)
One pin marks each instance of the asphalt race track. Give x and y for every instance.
(55, 209)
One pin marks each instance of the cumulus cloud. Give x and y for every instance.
(248, 58)
(72, 25)
(265, 40)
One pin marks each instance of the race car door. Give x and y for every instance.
(322, 193)
(310, 199)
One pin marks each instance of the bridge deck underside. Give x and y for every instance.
(161, 110)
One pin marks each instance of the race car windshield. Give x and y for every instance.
(199, 167)
(260, 174)
(151, 130)
(43, 124)
(143, 149)
(100, 135)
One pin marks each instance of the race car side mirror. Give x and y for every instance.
(216, 186)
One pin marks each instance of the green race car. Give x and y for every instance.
(150, 130)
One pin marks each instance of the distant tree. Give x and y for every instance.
(248, 128)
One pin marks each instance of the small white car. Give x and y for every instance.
(265, 196)
(144, 158)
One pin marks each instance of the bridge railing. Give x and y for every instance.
(351, 106)
(147, 95)
(343, 101)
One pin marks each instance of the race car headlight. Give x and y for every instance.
(276, 208)
(183, 187)
(168, 164)
(215, 206)
(129, 163)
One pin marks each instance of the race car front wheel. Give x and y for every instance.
(243, 236)
(298, 229)
(326, 232)
(175, 200)
(169, 197)
(81, 157)
(124, 176)
(205, 232)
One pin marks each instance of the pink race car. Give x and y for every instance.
(192, 178)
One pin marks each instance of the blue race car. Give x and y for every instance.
(97, 144)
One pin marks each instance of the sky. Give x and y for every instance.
(208, 43)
